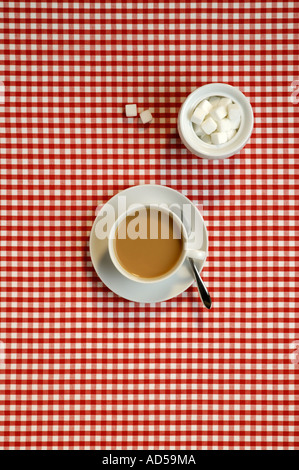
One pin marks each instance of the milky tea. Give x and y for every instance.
(148, 244)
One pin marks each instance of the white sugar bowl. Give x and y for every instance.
(209, 150)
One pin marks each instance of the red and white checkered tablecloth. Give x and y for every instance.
(81, 368)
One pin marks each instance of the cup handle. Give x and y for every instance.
(195, 254)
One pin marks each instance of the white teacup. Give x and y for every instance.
(187, 251)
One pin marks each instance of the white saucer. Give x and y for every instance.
(136, 291)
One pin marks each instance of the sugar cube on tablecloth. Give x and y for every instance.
(218, 112)
(131, 110)
(224, 125)
(219, 138)
(146, 116)
(198, 116)
(209, 125)
(234, 112)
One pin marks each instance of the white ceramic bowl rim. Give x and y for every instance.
(194, 143)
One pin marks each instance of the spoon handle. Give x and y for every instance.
(203, 291)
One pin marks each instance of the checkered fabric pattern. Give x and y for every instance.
(80, 367)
